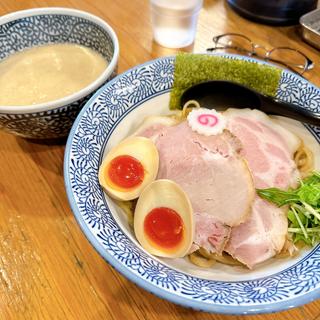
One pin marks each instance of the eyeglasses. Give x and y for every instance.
(291, 58)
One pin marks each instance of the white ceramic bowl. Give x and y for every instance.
(112, 114)
(29, 28)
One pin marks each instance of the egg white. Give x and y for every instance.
(164, 193)
(142, 149)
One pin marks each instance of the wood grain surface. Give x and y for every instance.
(48, 270)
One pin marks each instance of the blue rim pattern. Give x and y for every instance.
(294, 286)
(42, 29)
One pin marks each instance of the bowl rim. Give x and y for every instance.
(91, 88)
(151, 287)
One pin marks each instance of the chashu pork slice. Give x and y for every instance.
(152, 126)
(214, 176)
(261, 237)
(209, 169)
(269, 150)
(210, 233)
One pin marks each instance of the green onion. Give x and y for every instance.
(303, 208)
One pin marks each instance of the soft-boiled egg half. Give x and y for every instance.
(163, 220)
(129, 167)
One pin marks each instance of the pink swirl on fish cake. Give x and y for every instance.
(209, 120)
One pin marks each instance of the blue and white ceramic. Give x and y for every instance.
(24, 29)
(112, 114)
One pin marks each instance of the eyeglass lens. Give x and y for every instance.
(237, 43)
(289, 57)
(234, 43)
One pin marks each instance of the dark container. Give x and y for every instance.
(273, 12)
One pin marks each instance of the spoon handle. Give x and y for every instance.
(275, 106)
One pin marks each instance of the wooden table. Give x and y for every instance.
(48, 269)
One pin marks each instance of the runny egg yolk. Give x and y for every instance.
(125, 171)
(164, 227)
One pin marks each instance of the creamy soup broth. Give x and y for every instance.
(47, 73)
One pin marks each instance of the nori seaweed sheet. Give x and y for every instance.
(191, 69)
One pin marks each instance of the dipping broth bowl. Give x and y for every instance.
(35, 27)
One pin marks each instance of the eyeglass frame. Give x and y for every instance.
(308, 65)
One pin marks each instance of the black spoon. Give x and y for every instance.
(226, 94)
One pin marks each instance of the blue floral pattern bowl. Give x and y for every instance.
(109, 116)
(24, 29)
